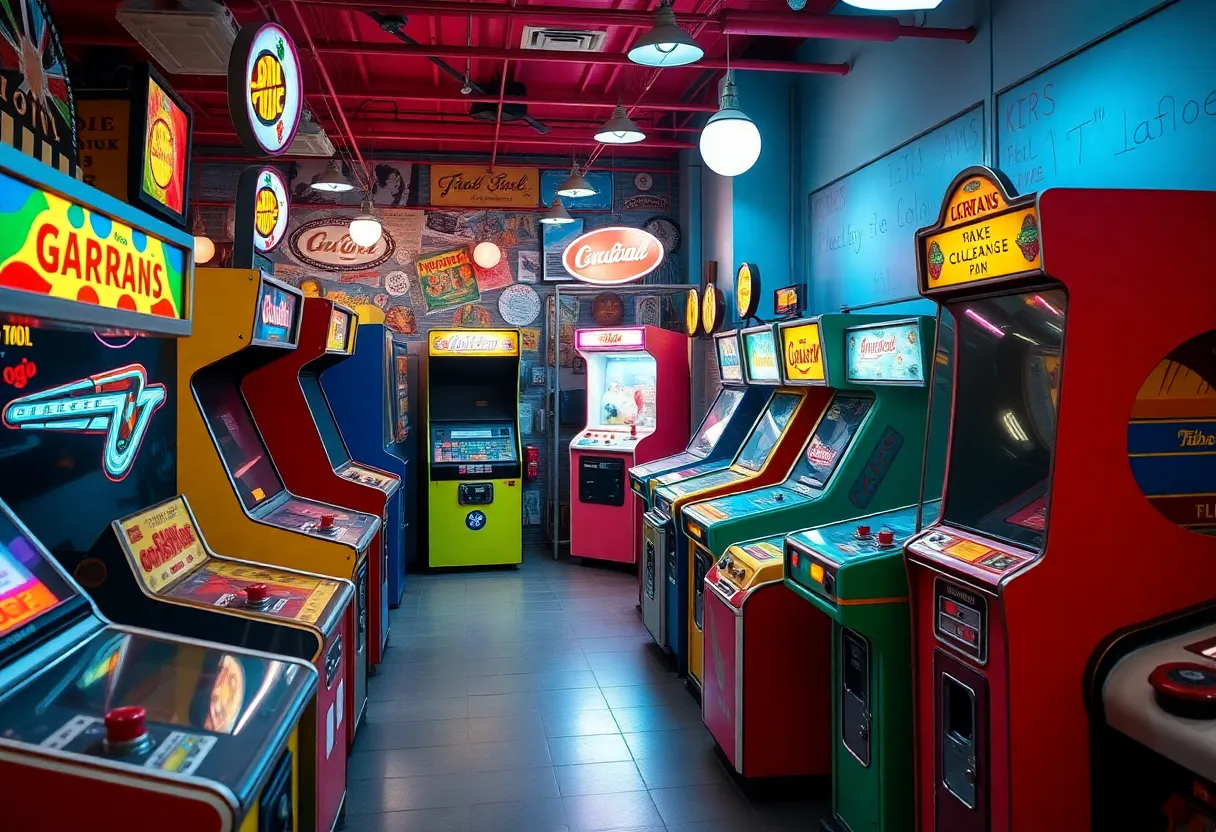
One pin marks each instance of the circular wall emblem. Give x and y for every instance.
(692, 312)
(397, 283)
(643, 181)
(711, 309)
(475, 520)
(161, 153)
(519, 305)
(667, 232)
(270, 206)
(265, 96)
(747, 290)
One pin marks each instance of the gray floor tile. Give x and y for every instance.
(374, 735)
(711, 801)
(503, 704)
(515, 784)
(647, 696)
(598, 812)
(407, 762)
(418, 710)
(505, 728)
(653, 743)
(598, 778)
(599, 748)
(682, 768)
(493, 756)
(396, 794)
(662, 718)
(579, 723)
(572, 699)
(546, 815)
(451, 819)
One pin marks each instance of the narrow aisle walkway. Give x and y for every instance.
(529, 701)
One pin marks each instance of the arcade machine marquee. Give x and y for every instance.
(633, 373)
(475, 504)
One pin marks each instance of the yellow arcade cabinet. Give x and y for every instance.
(475, 491)
(244, 319)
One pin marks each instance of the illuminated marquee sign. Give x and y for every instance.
(117, 404)
(803, 353)
(692, 313)
(787, 300)
(885, 354)
(761, 352)
(275, 315)
(161, 160)
(612, 256)
(747, 290)
(609, 339)
(260, 223)
(482, 342)
(62, 249)
(982, 234)
(339, 330)
(161, 543)
(729, 366)
(265, 96)
(712, 307)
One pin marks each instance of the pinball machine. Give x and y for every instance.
(1055, 535)
(297, 424)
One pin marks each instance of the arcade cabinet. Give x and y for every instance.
(369, 393)
(475, 502)
(99, 719)
(863, 456)
(634, 374)
(245, 319)
(726, 424)
(156, 572)
(1017, 586)
(766, 456)
(294, 417)
(853, 572)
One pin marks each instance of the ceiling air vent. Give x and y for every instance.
(562, 40)
(310, 139)
(186, 37)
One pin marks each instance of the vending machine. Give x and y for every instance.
(475, 490)
(633, 375)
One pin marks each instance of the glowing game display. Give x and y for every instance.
(166, 145)
(803, 353)
(339, 330)
(761, 352)
(885, 354)
(728, 360)
(22, 596)
(276, 313)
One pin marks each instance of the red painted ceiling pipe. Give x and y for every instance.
(833, 26)
(448, 135)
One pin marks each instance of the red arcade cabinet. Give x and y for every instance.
(1064, 305)
(637, 410)
(302, 436)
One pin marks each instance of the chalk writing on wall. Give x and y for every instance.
(862, 227)
(1135, 110)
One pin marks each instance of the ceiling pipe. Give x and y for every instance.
(502, 91)
(834, 27)
(204, 157)
(393, 50)
(533, 14)
(448, 137)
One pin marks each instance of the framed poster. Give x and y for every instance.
(554, 239)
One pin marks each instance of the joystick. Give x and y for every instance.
(257, 594)
(126, 729)
(886, 538)
(863, 532)
(327, 522)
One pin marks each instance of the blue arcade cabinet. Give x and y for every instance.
(369, 394)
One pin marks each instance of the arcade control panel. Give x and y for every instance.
(366, 476)
(470, 443)
(745, 566)
(323, 520)
(607, 440)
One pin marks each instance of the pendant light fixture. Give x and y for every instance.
(487, 254)
(666, 44)
(730, 141)
(332, 181)
(365, 227)
(204, 248)
(619, 129)
(895, 5)
(557, 215)
(576, 185)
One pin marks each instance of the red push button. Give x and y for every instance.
(327, 521)
(126, 725)
(950, 608)
(794, 559)
(863, 531)
(886, 537)
(257, 593)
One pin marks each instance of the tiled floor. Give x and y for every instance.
(529, 701)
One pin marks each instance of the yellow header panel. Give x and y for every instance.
(473, 342)
(162, 544)
(803, 353)
(341, 330)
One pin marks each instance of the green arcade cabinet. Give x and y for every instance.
(853, 571)
(475, 490)
(862, 457)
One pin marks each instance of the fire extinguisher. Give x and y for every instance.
(532, 458)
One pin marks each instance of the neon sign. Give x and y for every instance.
(118, 404)
(590, 339)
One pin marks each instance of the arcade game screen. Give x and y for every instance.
(237, 437)
(471, 442)
(761, 352)
(830, 441)
(768, 430)
(715, 421)
(1006, 397)
(323, 416)
(29, 585)
(628, 395)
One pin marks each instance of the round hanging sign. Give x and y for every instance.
(711, 309)
(519, 305)
(35, 93)
(265, 93)
(747, 290)
(270, 204)
(692, 312)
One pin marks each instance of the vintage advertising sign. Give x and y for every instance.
(747, 290)
(885, 354)
(711, 308)
(480, 342)
(162, 544)
(447, 279)
(610, 339)
(62, 249)
(803, 353)
(37, 108)
(164, 155)
(104, 136)
(982, 234)
(265, 93)
(261, 214)
(729, 366)
(787, 300)
(339, 330)
(612, 256)
(275, 317)
(760, 351)
(692, 312)
(326, 244)
(470, 186)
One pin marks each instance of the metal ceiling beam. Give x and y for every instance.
(565, 15)
(449, 136)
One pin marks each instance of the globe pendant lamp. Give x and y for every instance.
(204, 248)
(332, 181)
(576, 185)
(895, 5)
(557, 215)
(619, 129)
(487, 254)
(730, 141)
(365, 228)
(666, 44)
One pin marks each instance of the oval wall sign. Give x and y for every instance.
(326, 244)
(612, 256)
(265, 93)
